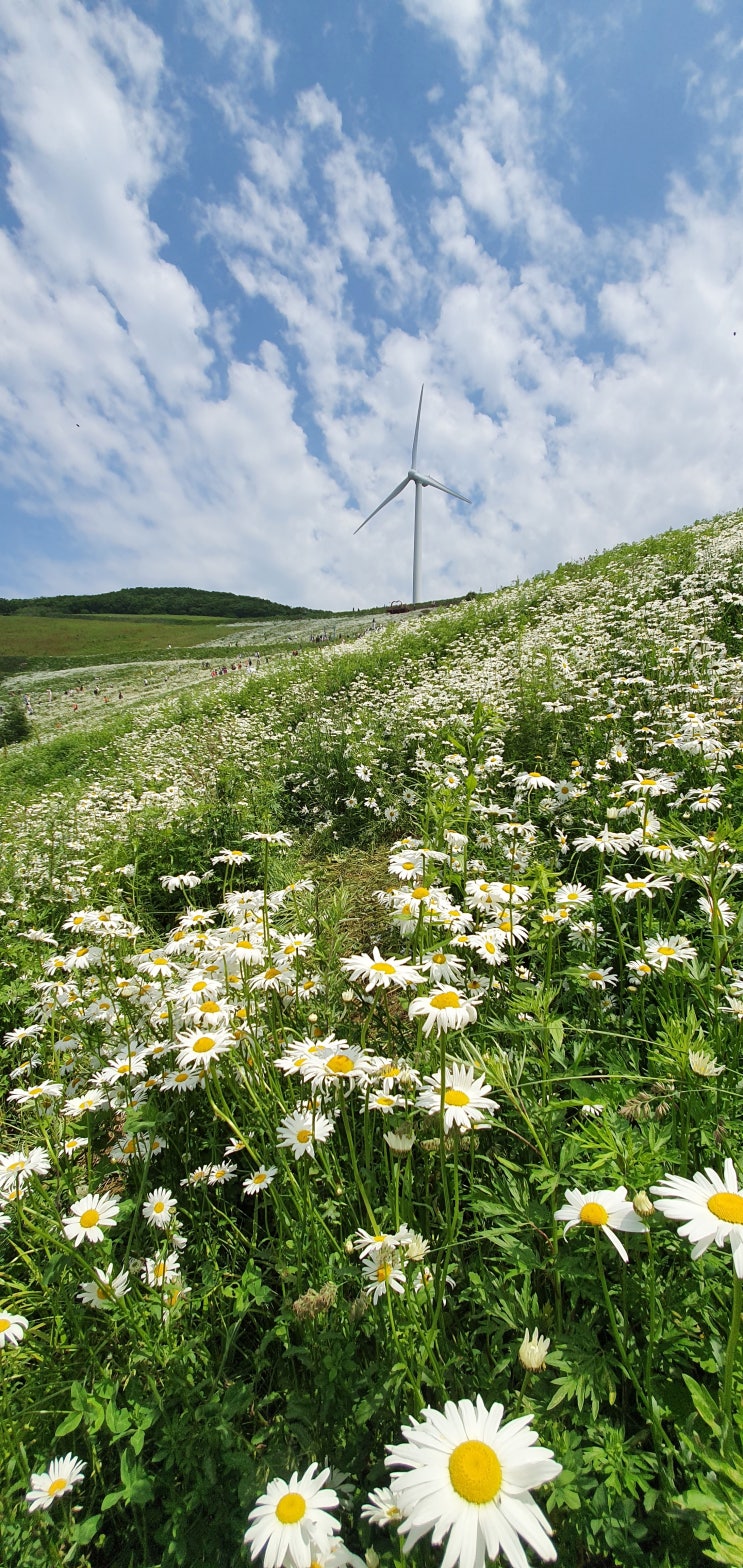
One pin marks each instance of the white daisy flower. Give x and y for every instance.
(369, 1244)
(704, 1065)
(299, 1130)
(382, 1273)
(259, 1180)
(199, 1050)
(442, 967)
(659, 951)
(608, 1210)
(379, 971)
(464, 1476)
(291, 1523)
(38, 1091)
(597, 978)
(107, 1288)
(466, 1098)
(632, 886)
(158, 1272)
(573, 895)
(382, 1508)
(16, 1167)
(81, 1104)
(60, 1478)
(12, 1328)
(88, 1216)
(443, 1010)
(335, 1061)
(711, 1208)
(159, 1207)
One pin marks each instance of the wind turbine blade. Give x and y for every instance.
(387, 498)
(447, 491)
(417, 428)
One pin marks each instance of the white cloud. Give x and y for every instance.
(464, 23)
(235, 25)
(581, 388)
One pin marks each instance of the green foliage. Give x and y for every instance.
(15, 724)
(155, 601)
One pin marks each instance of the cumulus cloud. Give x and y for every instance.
(582, 385)
(463, 23)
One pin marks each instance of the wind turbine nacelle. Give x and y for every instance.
(418, 479)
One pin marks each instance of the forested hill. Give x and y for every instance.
(156, 601)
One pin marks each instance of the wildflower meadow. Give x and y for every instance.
(371, 1177)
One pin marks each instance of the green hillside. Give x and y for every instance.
(156, 601)
(371, 1021)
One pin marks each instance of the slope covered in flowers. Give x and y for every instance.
(369, 1026)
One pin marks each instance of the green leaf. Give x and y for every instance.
(83, 1532)
(704, 1404)
(70, 1424)
(110, 1500)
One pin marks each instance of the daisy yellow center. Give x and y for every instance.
(158, 1207)
(303, 1136)
(55, 1487)
(594, 1214)
(4, 1325)
(445, 999)
(636, 882)
(203, 1044)
(475, 1472)
(199, 985)
(727, 1206)
(419, 892)
(456, 1097)
(210, 1007)
(595, 974)
(438, 958)
(383, 1272)
(271, 975)
(291, 1508)
(339, 1064)
(260, 1176)
(16, 1165)
(667, 952)
(89, 1218)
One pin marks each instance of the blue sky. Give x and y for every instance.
(238, 236)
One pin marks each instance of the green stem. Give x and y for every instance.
(727, 1384)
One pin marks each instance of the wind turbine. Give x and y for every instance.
(420, 481)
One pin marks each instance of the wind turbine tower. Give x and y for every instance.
(420, 481)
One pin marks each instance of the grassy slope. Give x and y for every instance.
(71, 640)
(434, 638)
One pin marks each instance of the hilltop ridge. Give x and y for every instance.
(157, 601)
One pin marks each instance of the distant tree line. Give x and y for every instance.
(156, 601)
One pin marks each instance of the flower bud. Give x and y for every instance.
(533, 1351)
(642, 1206)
